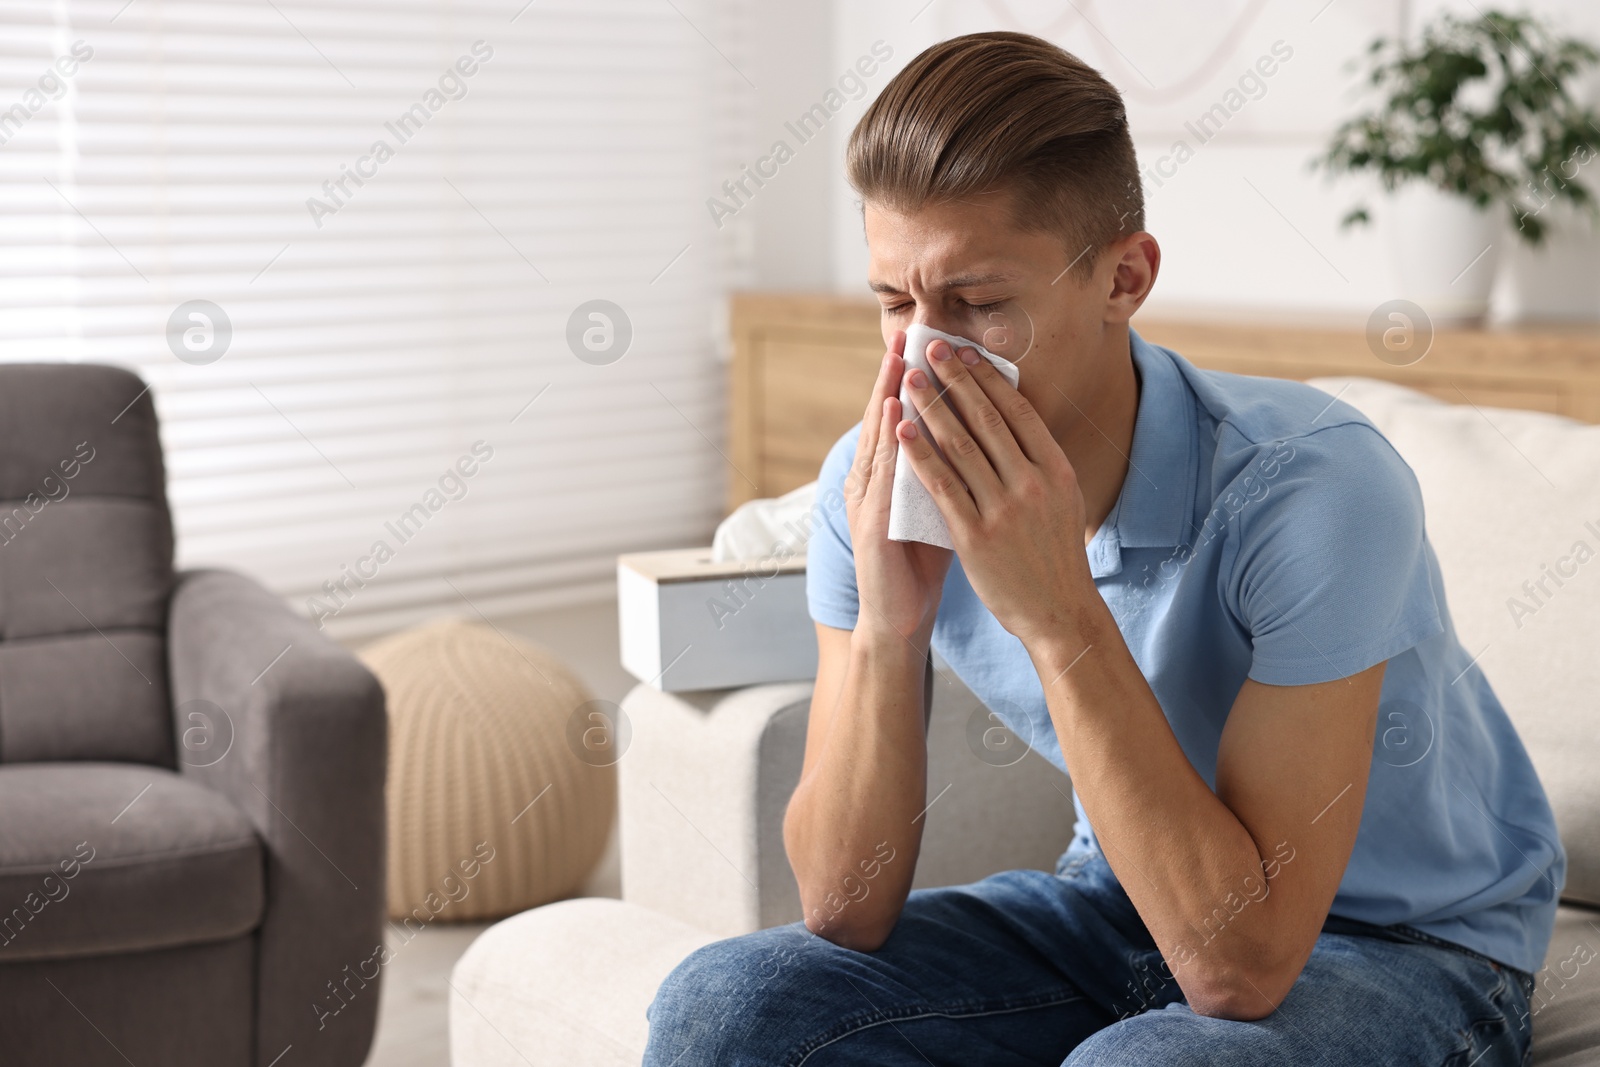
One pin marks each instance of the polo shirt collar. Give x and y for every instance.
(1156, 505)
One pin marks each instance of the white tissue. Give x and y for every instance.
(762, 529)
(913, 516)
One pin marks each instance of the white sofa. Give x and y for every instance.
(705, 783)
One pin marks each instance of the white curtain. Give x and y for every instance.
(346, 243)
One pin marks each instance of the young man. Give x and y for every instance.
(1306, 831)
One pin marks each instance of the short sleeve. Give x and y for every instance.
(1333, 573)
(830, 560)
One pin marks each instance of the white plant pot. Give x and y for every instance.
(1445, 252)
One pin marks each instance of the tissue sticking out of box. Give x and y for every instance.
(913, 516)
(760, 529)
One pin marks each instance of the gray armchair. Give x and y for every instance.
(191, 777)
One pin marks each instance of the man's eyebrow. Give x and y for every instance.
(960, 281)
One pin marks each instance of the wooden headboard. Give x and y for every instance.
(803, 367)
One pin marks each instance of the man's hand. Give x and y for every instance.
(1008, 492)
(898, 583)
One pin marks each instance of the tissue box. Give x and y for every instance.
(689, 623)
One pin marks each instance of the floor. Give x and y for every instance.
(413, 1013)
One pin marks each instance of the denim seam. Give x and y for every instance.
(879, 1018)
(1481, 1025)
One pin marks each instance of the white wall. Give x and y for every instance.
(791, 47)
(1244, 224)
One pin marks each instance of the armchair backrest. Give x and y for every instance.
(85, 567)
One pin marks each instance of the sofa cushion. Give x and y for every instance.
(1513, 511)
(101, 858)
(85, 568)
(564, 984)
(1565, 1006)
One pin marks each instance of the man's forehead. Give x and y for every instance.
(963, 280)
(949, 247)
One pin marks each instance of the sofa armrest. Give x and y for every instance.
(300, 746)
(707, 777)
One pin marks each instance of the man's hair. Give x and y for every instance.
(1004, 112)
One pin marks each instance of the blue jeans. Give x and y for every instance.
(1036, 969)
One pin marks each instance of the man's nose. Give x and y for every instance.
(938, 319)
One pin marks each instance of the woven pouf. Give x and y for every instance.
(479, 728)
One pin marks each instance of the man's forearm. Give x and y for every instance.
(851, 830)
(1177, 849)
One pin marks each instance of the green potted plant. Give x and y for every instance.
(1480, 114)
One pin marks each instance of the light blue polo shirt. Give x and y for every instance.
(1267, 531)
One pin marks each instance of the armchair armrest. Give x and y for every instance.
(300, 747)
(708, 775)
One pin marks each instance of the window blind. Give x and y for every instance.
(354, 249)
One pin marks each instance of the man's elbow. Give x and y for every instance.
(1233, 1005)
(1237, 994)
(857, 933)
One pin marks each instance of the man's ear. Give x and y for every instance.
(1135, 260)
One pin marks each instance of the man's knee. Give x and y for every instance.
(732, 1002)
(1173, 1036)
